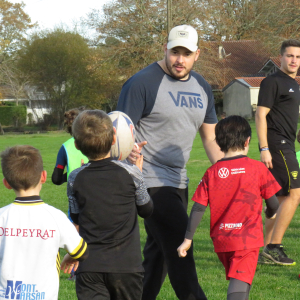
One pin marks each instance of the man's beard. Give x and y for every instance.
(169, 67)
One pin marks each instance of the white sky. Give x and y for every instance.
(49, 13)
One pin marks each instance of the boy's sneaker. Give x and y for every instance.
(278, 256)
(264, 261)
(72, 277)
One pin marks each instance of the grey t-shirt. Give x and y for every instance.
(167, 113)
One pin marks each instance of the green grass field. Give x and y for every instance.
(270, 282)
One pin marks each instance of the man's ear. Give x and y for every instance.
(43, 176)
(247, 141)
(197, 54)
(165, 48)
(6, 184)
(115, 137)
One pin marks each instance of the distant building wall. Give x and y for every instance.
(236, 100)
(254, 95)
(37, 114)
(38, 108)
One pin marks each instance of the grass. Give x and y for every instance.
(270, 282)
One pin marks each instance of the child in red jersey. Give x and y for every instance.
(234, 187)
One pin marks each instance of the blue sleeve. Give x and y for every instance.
(210, 115)
(61, 159)
(132, 100)
(139, 93)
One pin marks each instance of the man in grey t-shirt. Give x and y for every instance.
(169, 103)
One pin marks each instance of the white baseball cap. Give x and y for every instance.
(183, 36)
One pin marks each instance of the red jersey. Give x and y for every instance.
(233, 188)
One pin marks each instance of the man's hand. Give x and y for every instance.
(136, 152)
(266, 158)
(208, 137)
(68, 263)
(184, 247)
(139, 162)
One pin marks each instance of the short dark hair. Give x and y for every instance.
(93, 133)
(232, 133)
(22, 167)
(69, 117)
(289, 43)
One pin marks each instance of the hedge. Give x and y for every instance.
(10, 114)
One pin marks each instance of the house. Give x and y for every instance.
(34, 100)
(222, 62)
(271, 66)
(240, 96)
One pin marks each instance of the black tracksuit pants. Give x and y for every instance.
(166, 230)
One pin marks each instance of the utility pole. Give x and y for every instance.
(169, 15)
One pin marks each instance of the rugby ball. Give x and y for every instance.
(125, 133)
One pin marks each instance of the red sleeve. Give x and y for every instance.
(201, 193)
(269, 186)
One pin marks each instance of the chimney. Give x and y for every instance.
(221, 52)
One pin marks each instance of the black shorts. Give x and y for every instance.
(109, 286)
(285, 170)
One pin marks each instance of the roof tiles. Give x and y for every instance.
(240, 58)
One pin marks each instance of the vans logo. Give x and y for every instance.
(191, 100)
(291, 90)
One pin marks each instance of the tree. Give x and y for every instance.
(138, 29)
(58, 64)
(281, 20)
(14, 23)
(141, 24)
(131, 33)
(13, 78)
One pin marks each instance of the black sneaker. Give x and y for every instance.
(262, 260)
(278, 256)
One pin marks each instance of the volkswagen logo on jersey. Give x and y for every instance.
(223, 173)
(18, 290)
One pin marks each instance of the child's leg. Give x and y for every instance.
(240, 268)
(238, 290)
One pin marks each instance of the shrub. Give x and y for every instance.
(13, 115)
